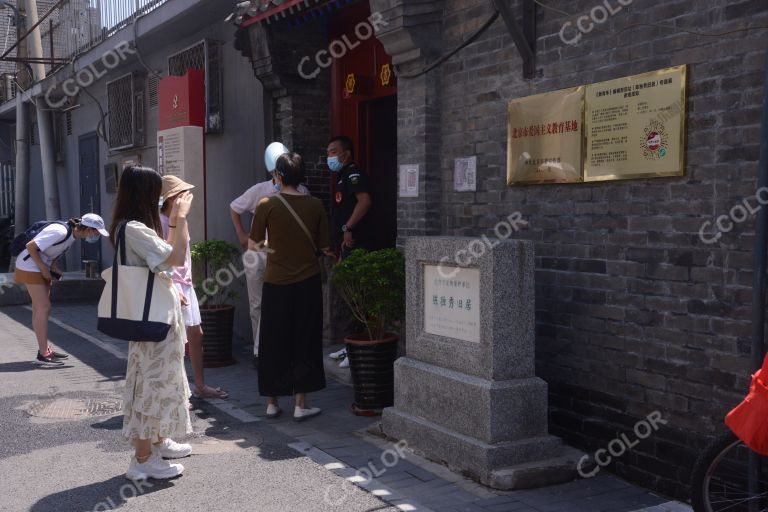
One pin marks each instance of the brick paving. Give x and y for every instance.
(338, 440)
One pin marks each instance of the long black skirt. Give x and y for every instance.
(291, 338)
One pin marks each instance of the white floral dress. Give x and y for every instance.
(156, 386)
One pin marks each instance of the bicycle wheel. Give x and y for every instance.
(720, 478)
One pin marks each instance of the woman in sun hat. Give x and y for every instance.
(36, 268)
(182, 279)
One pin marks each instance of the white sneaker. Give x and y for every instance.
(300, 414)
(170, 449)
(338, 354)
(154, 467)
(273, 411)
(344, 363)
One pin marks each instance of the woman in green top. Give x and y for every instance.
(291, 334)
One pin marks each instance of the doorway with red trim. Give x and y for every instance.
(364, 108)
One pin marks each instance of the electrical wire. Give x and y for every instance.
(100, 124)
(450, 54)
(693, 32)
(558, 11)
(495, 16)
(660, 25)
(136, 45)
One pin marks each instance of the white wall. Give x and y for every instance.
(234, 158)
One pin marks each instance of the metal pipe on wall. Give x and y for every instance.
(44, 124)
(21, 195)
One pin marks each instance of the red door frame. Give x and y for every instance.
(365, 59)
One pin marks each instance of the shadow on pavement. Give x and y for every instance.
(111, 367)
(114, 423)
(28, 366)
(107, 495)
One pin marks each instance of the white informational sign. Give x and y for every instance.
(465, 174)
(409, 180)
(452, 302)
(180, 152)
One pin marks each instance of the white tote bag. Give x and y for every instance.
(136, 304)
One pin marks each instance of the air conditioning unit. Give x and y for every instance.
(127, 112)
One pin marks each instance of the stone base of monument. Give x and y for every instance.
(466, 393)
(491, 431)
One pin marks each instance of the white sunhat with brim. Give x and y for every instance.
(94, 221)
(272, 153)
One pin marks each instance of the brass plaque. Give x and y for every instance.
(634, 127)
(544, 138)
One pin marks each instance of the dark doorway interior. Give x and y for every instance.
(90, 198)
(378, 138)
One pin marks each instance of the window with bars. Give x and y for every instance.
(125, 101)
(205, 55)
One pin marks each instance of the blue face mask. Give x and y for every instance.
(277, 186)
(333, 164)
(92, 239)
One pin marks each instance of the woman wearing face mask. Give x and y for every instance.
(36, 267)
(182, 279)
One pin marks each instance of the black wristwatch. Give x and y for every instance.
(345, 228)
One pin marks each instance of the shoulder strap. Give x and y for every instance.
(66, 225)
(120, 248)
(299, 221)
(69, 234)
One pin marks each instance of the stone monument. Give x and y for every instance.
(466, 393)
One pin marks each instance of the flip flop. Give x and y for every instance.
(209, 392)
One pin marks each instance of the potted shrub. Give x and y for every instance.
(373, 286)
(217, 259)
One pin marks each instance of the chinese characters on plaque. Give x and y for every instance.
(632, 127)
(635, 126)
(452, 302)
(544, 139)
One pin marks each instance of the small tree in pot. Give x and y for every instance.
(217, 258)
(373, 286)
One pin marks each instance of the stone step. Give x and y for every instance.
(74, 287)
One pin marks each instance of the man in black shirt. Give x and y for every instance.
(351, 223)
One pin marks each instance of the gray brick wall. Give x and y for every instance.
(634, 312)
(300, 108)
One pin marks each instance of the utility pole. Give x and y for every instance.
(21, 200)
(44, 124)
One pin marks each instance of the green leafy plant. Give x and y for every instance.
(373, 285)
(216, 256)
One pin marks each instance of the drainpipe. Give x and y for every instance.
(21, 199)
(44, 124)
(758, 279)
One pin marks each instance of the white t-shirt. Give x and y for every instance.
(45, 241)
(251, 197)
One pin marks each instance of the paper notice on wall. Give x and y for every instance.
(465, 174)
(409, 180)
